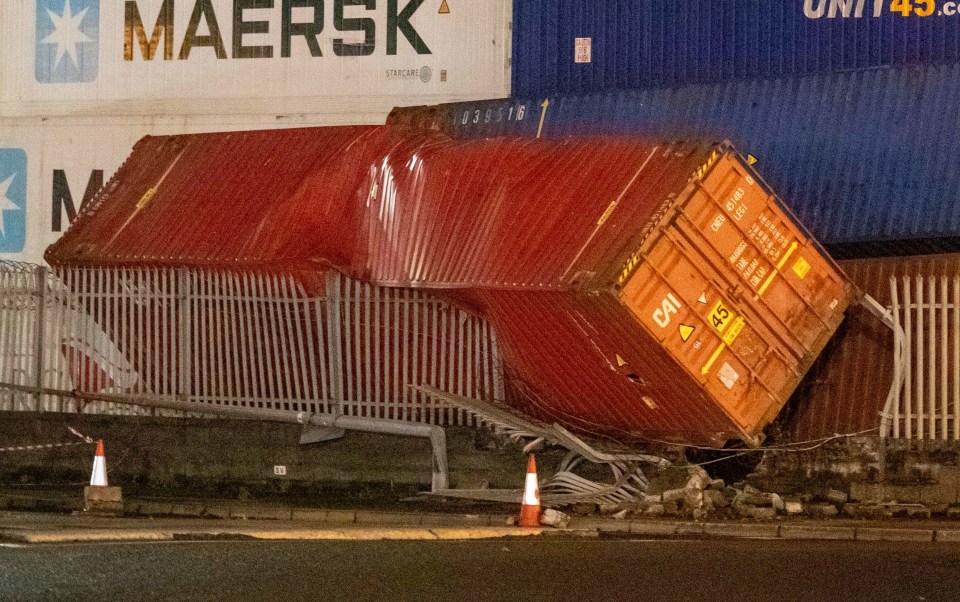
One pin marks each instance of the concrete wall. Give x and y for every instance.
(913, 472)
(227, 458)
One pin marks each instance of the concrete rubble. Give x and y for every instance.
(702, 498)
(555, 518)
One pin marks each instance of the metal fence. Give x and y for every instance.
(243, 339)
(926, 402)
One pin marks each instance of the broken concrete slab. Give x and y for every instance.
(555, 518)
(822, 510)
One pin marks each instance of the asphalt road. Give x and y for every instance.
(515, 570)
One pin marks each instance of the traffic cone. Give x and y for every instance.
(98, 478)
(530, 509)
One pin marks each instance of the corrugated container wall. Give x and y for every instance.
(185, 57)
(54, 165)
(867, 160)
(846, 390)
(581, 46)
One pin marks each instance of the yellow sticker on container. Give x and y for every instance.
(146, 198)
(685, 332)
(801, 268)
(720, 317)
(734, 331)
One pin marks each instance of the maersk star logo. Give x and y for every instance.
(68, 40)
(13, 200)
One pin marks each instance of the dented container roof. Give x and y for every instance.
(391, 205)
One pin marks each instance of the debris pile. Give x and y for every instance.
(701, 497)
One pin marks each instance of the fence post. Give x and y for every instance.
(40, 273)
(334, 341)
(184, 313)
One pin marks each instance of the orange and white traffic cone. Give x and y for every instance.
(98, 478)
(530, 508)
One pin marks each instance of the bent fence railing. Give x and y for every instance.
(241, 339)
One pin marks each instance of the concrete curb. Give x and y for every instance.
(375, 524)
(372, 531)
(248, 511)
(787, 531)
(27, 536)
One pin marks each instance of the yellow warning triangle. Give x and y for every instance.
(751, 160)
(685, 332)
(444, 8)
(621, 362)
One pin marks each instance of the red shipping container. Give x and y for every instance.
(638, 288)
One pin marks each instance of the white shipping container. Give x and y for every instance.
(49, 166)
(177, 57)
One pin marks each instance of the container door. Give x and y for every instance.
(736, 292)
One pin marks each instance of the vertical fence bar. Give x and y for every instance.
(182, 279)
(239, 365)
(921, 361)
(223, 332)
(393, 332)
(54, 380)
(296, 377)
(898, 358)
(349, 401)
(41, 278)
(335, 341)
(434, 360)
(416, 355)
(932, 357)
(454, 357)
(253, 362)
(381, 345)
(942, 360)
(284, 345)
(281, 344)
(140, 331)
(321, 360)
(114, 330)
(369, 353)
(267, 304)
(95, 345)
(394, 352)
(205, 340)
(404, 336)
(956, 358)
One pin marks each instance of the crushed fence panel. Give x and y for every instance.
(241, 339)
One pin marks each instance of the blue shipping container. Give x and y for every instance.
(640, 43)
(864, 159)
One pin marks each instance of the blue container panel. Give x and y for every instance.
(861, 157)
(638, 43)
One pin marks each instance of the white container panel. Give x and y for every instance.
(175, 57)
(49, 166)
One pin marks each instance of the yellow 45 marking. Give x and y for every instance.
(904, 7)
(720, 316)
